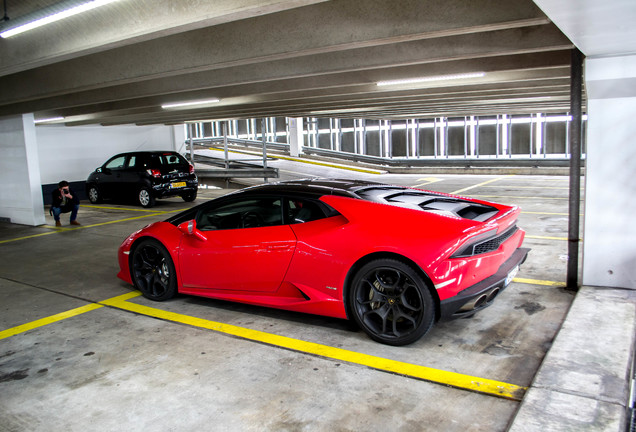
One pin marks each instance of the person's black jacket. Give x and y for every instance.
(56, 200)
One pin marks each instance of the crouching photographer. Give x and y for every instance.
(64, 200)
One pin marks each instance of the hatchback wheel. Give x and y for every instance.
(189, 196)
(391, 303)
(152, 271)
(94, 195)
(145, 197)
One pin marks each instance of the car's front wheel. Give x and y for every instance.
(145, 197)
(152, 271)
(391, 303)
(94, 195)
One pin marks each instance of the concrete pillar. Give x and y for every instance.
(21, 191)
(609, 243)
(295, 136)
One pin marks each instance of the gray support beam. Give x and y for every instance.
(21, 193)
(572, 278)
(263, 130)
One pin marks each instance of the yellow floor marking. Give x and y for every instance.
(73, 228)
(480, 184)
(48, 320)
(545, 237)
(538, 282)
(545, 213)
(481, 385)
(427, 181)
(62, 316)
(310, 162)
(28, 237)
(119, 208)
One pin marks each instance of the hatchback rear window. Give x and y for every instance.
(168, 160)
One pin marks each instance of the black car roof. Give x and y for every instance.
(316, 186)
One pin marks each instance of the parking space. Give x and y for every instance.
(118, 358)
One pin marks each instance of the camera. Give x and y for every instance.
(65, 190)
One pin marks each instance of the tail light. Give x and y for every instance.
(191, 169)
(154, 172)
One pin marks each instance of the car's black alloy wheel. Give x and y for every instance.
(153, 271)
(94, 195)
(145, 197)
(391, 302)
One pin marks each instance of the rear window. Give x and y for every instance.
(167, 160)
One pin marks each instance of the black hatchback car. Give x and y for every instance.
(143, 176)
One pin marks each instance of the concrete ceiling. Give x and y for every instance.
(119, 63)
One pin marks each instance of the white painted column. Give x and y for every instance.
(21, 192)
(609, 243)
(295, 136)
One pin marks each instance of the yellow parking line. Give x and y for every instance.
(28, 237)
(427, 181)
(69, 228)
(539, 282)
(119, 208)
(48, 320)
(545, 213)
(476, 384)
(545, 237)
(62, 316)
(479, 185)
(307, 161)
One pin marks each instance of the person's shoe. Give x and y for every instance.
(58, 223)
(75, 222)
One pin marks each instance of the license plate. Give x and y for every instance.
(511, 276)
(177, 185)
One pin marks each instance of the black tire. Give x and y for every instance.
(94, 195)
(391, 303)
(152, 271)
(189, 196)
(145, 198)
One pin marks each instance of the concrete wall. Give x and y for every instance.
(72, 153)
(609, 242)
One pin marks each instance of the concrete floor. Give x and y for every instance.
(110, 368)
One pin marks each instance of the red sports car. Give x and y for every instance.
(394, 259)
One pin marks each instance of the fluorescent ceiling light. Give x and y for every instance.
(431, 78)
(184, 104)
(73, 9)
(46, 120)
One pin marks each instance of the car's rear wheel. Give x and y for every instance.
(94, 195)
(152, 271)
(145, 197)
(391, 303)
(189, 196)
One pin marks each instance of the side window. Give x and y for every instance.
(117, 163)
(132, 161)
(245, 213)
(301, 211)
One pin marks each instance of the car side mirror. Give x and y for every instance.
(190, 228)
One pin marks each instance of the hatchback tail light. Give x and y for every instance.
(154, 172)
(191, 169)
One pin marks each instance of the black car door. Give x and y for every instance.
(110, 176)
